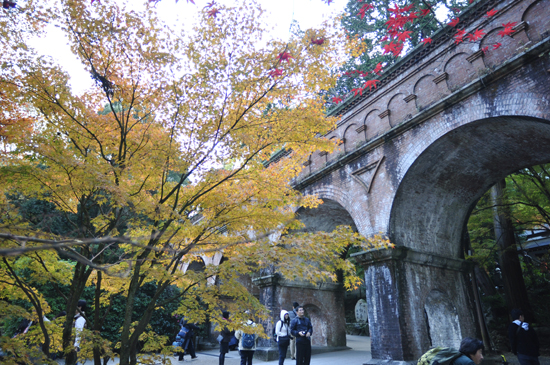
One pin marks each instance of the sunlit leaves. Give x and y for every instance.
(170, 148)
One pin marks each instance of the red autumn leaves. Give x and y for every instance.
(397, 36)
(286, 57)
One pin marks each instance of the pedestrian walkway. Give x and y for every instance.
(357, 354)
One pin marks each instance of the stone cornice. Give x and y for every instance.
(404, 254)
(278, 280)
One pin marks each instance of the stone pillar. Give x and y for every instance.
(268, 297)
(269, 293)
(416, 300)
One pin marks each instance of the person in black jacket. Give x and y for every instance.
(226, 338)
(188, 340)
(301, 329)
(523, 339)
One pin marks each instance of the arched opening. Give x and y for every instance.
(328, 309)
(326, 217)
(434, 200)
(196, 265)
(436, 195)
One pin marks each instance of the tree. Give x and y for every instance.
(497, 227)
(514, 286)
(176, 166)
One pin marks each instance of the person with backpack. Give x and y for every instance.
(247, 342)
(301, 328)
(523, 339)
(187, 334)
(470, 353)
(282, 333)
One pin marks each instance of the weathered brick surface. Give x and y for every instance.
(446, 129)
(323, 304)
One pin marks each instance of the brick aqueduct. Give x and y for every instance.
(444, 125)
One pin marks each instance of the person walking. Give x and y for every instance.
(523, 339)
(301, 328)
(292, 314)
(226, 335)
(247, 342)
(282, 330)
(188, 332)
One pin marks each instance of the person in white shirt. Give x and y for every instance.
(282, 330)
(79, 323)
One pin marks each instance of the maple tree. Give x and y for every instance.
(376, 33)
(167, 158)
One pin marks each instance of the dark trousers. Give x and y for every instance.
(528, 360)
(224, 349)
(303, 352)
(282, 353)
(246, 357)
(189, 347)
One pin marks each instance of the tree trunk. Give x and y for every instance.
(484, 281)
(514, 286)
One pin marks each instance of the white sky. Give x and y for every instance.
(280, 14)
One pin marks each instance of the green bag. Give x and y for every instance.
(439, 356)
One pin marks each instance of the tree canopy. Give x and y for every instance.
(168, 158)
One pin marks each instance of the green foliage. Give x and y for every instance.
(527, 199)
(527, 195)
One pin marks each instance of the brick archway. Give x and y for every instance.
(435, 197)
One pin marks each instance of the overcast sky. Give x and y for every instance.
(280, 14)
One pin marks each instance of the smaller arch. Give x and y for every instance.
(196, 264)
(337, 150)
(326, 217)
(426, 91)
(494, 57)
(352, 138)
(375, 125)
(399, 109)
(318, 160)
(460, 71)
(539, 22)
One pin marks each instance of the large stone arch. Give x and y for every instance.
(448, 177)
(428, 215)
(324, 302)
